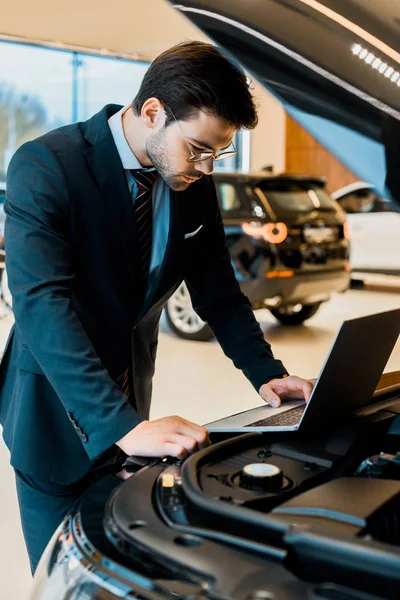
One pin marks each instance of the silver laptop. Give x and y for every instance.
(346, 382)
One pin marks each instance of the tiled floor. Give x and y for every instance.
(196, 381)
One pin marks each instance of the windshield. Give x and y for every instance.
(366, 201)
(289, 197)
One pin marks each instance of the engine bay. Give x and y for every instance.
(273, 516)
(300, 515)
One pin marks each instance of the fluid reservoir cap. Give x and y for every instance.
(261, 477)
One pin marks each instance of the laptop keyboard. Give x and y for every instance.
(285, 419)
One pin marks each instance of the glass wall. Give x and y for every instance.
(41, 89)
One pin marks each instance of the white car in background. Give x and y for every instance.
(374, 227)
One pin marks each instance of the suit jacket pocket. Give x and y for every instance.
(192, 234)
(26, 361)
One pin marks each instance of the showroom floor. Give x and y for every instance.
(196, 381)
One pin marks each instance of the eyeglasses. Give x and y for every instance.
(200, 156)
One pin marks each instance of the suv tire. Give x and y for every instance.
(295, 317)
(5, 291)
(182, 318)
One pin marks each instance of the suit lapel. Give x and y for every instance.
(104, 162)
(170, 257)
(186, 214)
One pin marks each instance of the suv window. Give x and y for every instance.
(364, 201)
(229, 198)
(295, 197)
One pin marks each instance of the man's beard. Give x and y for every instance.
(157, 152)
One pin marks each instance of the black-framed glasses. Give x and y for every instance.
(200, 156)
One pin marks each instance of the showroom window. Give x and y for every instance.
(229, 197)
(241, 161)
(35, 95)
(103, 81)
(232, 200)
(42, 89)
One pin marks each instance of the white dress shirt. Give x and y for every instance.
(160, 197)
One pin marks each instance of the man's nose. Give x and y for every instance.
(205, 166)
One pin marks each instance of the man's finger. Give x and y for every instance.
(271, 398)
(174, 450)
(307, 389)
(187, 428)
(205, 442)
(293, 386)
(188, 442)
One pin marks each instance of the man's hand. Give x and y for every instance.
(169, 436)
(288, 388)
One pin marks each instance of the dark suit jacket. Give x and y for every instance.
(71, 248)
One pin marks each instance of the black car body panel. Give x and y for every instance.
(339, 59)
(310, 263)
(302, 50)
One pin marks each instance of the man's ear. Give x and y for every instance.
(152, 113)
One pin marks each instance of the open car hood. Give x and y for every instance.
(337, 59)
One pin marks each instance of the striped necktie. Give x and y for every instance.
(143, 209)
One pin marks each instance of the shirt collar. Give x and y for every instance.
(128, 159)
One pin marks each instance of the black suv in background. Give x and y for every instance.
(289, 246)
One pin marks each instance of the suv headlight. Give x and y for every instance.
(64, 573)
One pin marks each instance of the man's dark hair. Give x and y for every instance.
(195, 76)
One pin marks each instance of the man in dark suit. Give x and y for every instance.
(104, 220)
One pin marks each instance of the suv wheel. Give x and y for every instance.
(182, 318)
(4, 290)
(295, 314)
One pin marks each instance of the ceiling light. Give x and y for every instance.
(376, 63)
